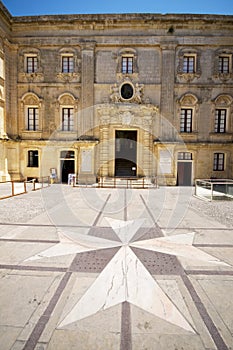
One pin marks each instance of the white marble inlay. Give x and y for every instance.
(125, 230)
(179, 245)
(125, 278)
(81, 243)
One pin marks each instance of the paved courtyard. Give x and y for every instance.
(120, 269)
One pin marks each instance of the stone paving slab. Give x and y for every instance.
(148, 298)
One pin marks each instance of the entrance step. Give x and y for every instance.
(127, 182)
(124, 168)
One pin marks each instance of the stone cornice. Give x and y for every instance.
(120, 21)
(114, 19)
(4, 13)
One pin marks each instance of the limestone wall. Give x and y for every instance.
(97, 43)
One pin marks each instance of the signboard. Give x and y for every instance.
(165, 162)
(86, 160)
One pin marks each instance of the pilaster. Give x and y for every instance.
(104, 150)
(167, 88)
(87, 87)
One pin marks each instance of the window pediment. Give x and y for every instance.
(223, 101)
(67, 99)
(31, 99)
(188, 100)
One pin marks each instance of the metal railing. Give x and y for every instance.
(127, 182)
(211, 189)
(15, 188)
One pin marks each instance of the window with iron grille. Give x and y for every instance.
(127, 65)
(67, 64)
(219, 161)
(224, 64)
(33, 119)
(32, 64)
(33, 160)
(189, 64)
(186, 120)
(67, 119)
(220, 120)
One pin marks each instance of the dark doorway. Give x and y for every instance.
(67, 164)
(184, 174)
(126, 153)
(67, 167)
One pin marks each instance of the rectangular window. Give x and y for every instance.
(224, 64)
(186, 120)
(218, 161)
(189, 64)
(127, 65)
(33, 119)
(67, 154)
(220, 120)
(33, 159)
(67, 119)
(184, 156)
(67, 64)
(32, 64)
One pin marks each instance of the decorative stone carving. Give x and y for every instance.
(127, 92)
(115, 95)
(188, 100)
(31, 99)
(223, 101)
(127, 115)
(31, 77)
(67, 99)
(138, 93)
(126, 118)
(68, 77)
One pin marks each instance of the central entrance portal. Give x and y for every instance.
(126, 153)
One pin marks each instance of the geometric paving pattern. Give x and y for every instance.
(125, 278)
(131, 267)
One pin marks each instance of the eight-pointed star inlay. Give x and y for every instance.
(125, 278)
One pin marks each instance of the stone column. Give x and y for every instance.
(88, 73)
(167, 90)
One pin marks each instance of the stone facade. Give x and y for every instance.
(76, 90)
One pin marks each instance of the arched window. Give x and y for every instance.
(187, 109)
(31, 104)
(67, 111)
(222, 105)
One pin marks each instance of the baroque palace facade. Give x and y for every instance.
(110, 95)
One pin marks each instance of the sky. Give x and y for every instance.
(48, 7)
